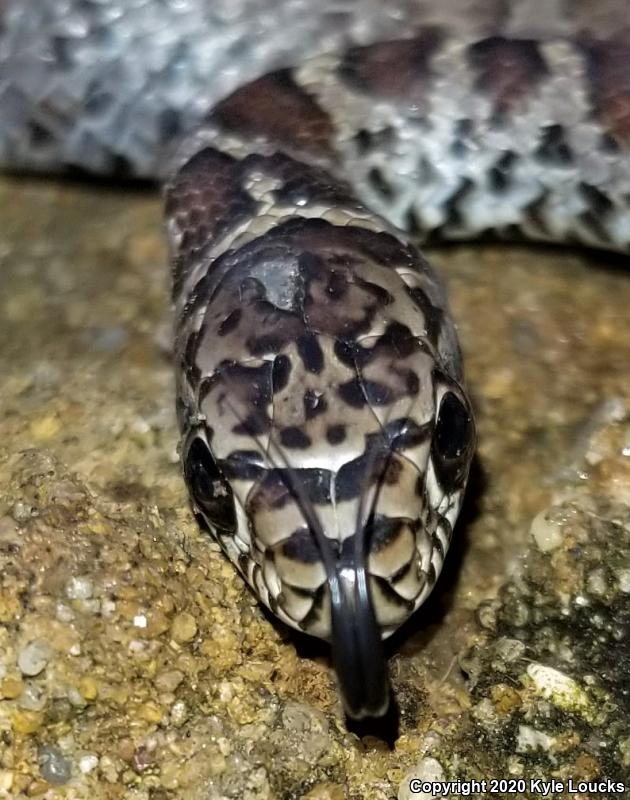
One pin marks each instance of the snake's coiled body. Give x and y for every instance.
(326, 435)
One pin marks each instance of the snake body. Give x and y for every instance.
(326, 432)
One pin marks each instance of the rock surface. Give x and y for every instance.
(135, 664)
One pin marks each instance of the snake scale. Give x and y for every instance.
(326, 431)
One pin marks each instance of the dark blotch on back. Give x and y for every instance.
(507, 69)
(276, 107)
(395, 70)
(609, 76)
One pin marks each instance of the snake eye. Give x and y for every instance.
(454, 428)
(453, 440)
(209, 488)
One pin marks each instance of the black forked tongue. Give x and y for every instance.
(357, 648)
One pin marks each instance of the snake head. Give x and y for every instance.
(327, 436)
(347, 554)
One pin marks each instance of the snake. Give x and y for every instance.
(305, 153)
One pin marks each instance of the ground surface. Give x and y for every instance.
(133, 661)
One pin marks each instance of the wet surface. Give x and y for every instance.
(134, 662)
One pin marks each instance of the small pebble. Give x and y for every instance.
(33, 697)
(64, 613)
(529, 740)
(106, 339)
(141, 759)
(183, 628)
(91, 606)
(6, 780)
(37, 787)
(45, 428)
(88, 688)
(150, 712)
(33, 658)
(53, 765)
(79, 587)
(75, 697)
(427, 769)
(108, 608)
(169, 680)
(88, 763)
(11, 687)
(108, 769)
(596, 583)
(25, 721)
(562, 690)
(67, 743)
(547, 533)
(21, 511)
(509, 649)
(179, 713)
